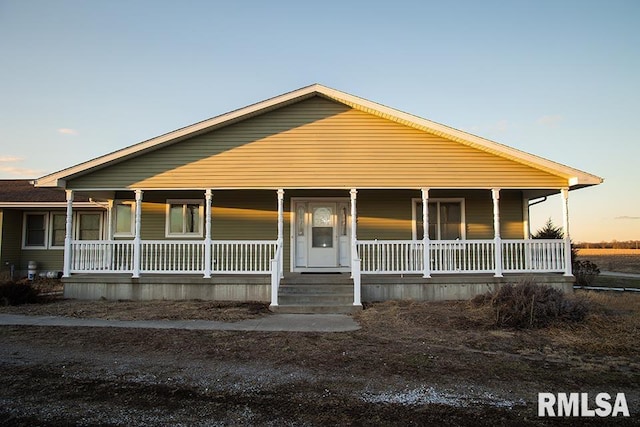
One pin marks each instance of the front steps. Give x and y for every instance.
(316, 294)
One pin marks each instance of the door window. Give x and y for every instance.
(322, 228)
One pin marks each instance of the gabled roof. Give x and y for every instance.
(575, 177)
(22, 193)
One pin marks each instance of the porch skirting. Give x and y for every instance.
(149, 287)
(447, 288)
(258, 288)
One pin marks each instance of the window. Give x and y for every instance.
(184, 218)
(35, 231)
(446, 219)
(58, 229)
(47, 230)
(89, 226)
(123, 219)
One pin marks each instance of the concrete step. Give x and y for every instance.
(315, 309)
(325, 279)
(315, 289)
(316, 299)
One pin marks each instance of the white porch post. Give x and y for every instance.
(495, 193)
(425, 234)
(68, 237)
(137, 242)
(109, 235)
(355, 259)
(568, 271)
(208, 196)
(281, 229)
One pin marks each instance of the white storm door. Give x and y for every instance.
(322, 241)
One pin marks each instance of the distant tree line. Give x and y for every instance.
(614, 244)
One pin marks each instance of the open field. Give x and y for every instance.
(411, 364)
(618, 260)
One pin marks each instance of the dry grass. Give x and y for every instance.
(618, 260)
(145, 310)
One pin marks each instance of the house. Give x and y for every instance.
(313, 197)
(32, 227)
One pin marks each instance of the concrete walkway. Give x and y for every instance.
(272, 323)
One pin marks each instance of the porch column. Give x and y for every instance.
(355, 259)
(495, 193)
(568, 270)
(110, 220)
(137, 242)
(425, 234)
(281, 229)
(68, 237)
(208, 196)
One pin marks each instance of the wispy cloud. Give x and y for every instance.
(551, 121)
(10, 159)
(628, 217)
(67, 131)
(7, 167)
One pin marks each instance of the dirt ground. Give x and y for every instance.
(410, 364)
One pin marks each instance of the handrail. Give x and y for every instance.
(276, 270)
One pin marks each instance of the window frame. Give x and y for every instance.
(114, 218)
(184, 203)
(45, 244)
(414, 216)
(52, 214)
(76, 224)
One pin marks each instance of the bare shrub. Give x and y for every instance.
(585, 272)
(529, 305)
(12, 293)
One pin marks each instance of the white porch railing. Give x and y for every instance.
(461, 256)
(533, 255)
(102, 256)
(173, 256)
(390, 256)
(242, 256)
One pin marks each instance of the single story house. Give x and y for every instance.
(32, 227)
(310, 199)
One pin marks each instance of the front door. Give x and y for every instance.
(321, 235)
(323, 250)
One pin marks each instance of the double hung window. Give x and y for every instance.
(446, 219)
(184, 218)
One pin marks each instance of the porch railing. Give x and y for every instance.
(534, 255)
(242, 256)
(390, 256)
(460, 256)
(102, 256)
(173, 256)
(468, 256)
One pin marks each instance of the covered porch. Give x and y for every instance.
(422, 267)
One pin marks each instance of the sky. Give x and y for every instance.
(559, 79)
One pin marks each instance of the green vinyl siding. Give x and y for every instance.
(317, 143)
(12, 252)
